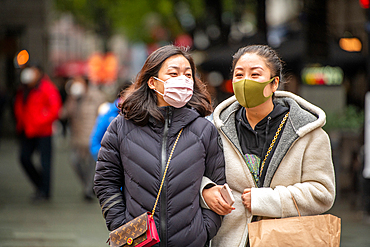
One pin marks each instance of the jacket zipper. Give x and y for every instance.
(163, 196)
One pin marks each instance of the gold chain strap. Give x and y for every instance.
(273, 142)
(164, 174)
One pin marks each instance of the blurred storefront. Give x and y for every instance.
(312, 37)
(322, 65)
(295, 30)
(54, 41)
(23, 25)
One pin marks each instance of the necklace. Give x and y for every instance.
(272, 145)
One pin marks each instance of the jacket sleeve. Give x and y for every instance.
(109, 178)
(53, 104)
(314, 193)
(215, 171)
(101, 125)
(206, 182)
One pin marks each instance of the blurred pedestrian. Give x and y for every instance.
(81, 110)
(275, 148)
(107, 112)
(37, 105)
(165, 99)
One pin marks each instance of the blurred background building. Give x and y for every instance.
(324, 43)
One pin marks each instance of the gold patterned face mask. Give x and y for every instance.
(249, 93)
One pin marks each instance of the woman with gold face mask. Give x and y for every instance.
(274, 147)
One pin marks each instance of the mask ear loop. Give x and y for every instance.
(155, 78)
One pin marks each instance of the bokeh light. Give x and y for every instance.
(22, 57)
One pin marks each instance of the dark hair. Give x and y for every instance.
(140, 102)
(273, 61)
(37, 65)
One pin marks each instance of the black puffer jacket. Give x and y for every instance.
(134, 158)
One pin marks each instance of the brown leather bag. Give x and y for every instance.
(140, 231)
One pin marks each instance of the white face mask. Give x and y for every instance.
(77, 89)
(28, 75)
(177, 90)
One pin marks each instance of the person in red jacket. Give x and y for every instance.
(37, 106)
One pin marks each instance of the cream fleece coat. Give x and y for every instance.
(301, 165)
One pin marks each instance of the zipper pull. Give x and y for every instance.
(169, 116)
(268, 126)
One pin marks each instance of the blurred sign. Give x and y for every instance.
(22, 58)
(95, 64)
(364, 4)
(102, 69)
(71, 69)
(110, 68)
(322, 76)
(350, 44)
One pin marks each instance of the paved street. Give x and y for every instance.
(67, 220)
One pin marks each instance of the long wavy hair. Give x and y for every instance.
(140, 102)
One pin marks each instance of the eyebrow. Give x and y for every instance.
(177, 67)
(253, 68)
(257, 67)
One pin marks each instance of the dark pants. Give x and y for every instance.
(84, 165)
(39, 175)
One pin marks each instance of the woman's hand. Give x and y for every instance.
(247, 199)
(215, 202)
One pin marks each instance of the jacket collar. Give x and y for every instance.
(178, 118)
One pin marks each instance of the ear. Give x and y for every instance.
(151, 83)
(276, 83)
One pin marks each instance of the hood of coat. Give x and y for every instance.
(304, 116)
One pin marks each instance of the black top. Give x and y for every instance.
(255, 142)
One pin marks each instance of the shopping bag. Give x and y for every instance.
(302, 231)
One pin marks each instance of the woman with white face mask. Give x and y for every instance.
(166, 99)
(274, 147)
(81, 110)
(29, 76)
